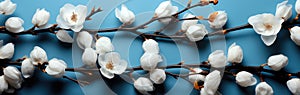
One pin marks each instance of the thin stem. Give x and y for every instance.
(93, 12)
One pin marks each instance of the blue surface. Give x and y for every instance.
(255, 52)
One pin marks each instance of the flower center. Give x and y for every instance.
(109, 65)
(213, 16)
(74, 17)
(268, 26)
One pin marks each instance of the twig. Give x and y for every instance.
(93, 12)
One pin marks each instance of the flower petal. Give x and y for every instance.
(64, 36)
(7, 51)
(106, 73)
(27, 68)
(268, 40)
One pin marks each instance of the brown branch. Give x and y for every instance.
(93, 12)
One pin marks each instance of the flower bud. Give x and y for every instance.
(38, 56)
(158, 76)
(284, 10)
(217, 59)
(13, 76)
(143, 85)
(211, 83)
(217, 19)
(84, 40)
(40, 18)
(294, 85)
(150, 46)
(196, 77)
(245, 79)
(126, 16)
(89, 57)
(27, 68)
(104, 45)
(196, 32)
(56, 68)
(7, 7)
(277, 62)
(14, 25)
(295, 35)
(149, 61)
(235, 54)
(263, 89)
(7, 51)
(165, 9)
(187, 23)
(3, 84)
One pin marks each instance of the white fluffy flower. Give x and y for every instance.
(125, 15)
(27, 68)
(89, 57)
(104, 45)
(3, 84)
(295, 34)
(7, 7)
(217, 19)
(7, 51)
(165, 9)
(71, 17)
(211, 83)
(235, 54)
(149, 61)
(84, 40)
(63, 36)
(38, 56)
(14, 24)
(263, 89)
(187, 23)
(294, 85)
(245, 79)
(13, 76)
(284, 10)
(267, 25)
(196, 77)
(40, 18)
(112, 64)
(196, 32)
(150, 46)
(158, 76)
(297, 6)
(143, 85)
(56, 68)
(277, 62)
(217, 59)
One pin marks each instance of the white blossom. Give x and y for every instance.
(187, 23)
(14, 25)
(71, 17)
(125, 15)
(56, 68)
(217, 59)
(235, 54)
(150, 46)
(267, 25)
(211, 83)
(217, 19)
(196, 77)
(297, 6)
(294, 85)
(158, 76)
(284, 10)
(196, 32)
(263, 89)
(64, 36)
(84, 40)
(104, 45)
(143, 85)
(13, 76)
(245, 79)
(277, 62)
(112, 64)
(40, 18)
(7, 51)
(38, 56)
(149, 61)
(3, 84)
(165, 9)
(89, 57)
(295, 35)
(7, 7)
(27, 68)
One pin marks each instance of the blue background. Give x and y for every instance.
(255, 52)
